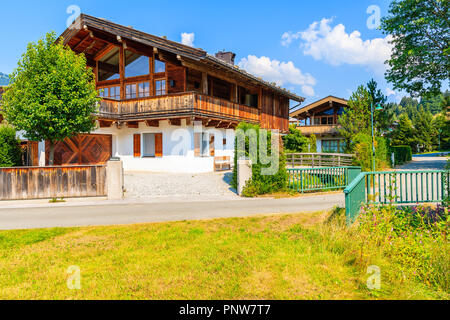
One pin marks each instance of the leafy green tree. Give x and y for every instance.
(52, 95)
(356, 117)
(10, 151)
(295, 141)
(424, 131)
(420, 30)
(312, 144)
(442, 126)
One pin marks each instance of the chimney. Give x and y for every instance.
(226, 56)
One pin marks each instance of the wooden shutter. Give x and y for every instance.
(212, 151)
(137, 145)
(197, 144)
(158, 145)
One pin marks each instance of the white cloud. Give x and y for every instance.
(281, 73)
(397, 96)
(188, 39)
(390, 92)
(336, 47)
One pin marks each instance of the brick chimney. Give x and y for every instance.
(226, 56)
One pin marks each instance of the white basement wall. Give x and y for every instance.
(178, 148)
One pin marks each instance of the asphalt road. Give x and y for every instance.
(129, 213)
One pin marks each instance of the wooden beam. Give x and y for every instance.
(105, 123)
(89, 36)
(175, 122)
(104, 51)
(204, 83)
(152, 123)
(133, 124)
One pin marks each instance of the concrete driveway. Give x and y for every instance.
(424, 163)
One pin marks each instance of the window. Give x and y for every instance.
(110, 92)
(203, 146)
(204, 151)
(136, 65)
(160, 87)
(149, 145)
(130, 91)
(316, 121)
(333, 146)
(160, 66)
(330, 146)
(144, 89)
(108, 66)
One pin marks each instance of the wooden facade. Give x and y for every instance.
(143, 77)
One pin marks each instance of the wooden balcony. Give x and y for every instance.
(318, 129)
(188, 104)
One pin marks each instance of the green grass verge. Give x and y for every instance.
(302, 256)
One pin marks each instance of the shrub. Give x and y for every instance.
(362, 148)
(313, 143)
(10, 150)
(402, 154)
(260, 183)
(414, 238)
(295, 141)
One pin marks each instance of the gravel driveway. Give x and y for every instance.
(178, 186)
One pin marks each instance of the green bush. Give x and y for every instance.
(313, 143)
(260, 184)
(10, 150)
(362, 148)
(295, 141)
(402, 154)
(414, 238)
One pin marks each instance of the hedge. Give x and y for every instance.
(402, 154)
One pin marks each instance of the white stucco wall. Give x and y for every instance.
(178, 148)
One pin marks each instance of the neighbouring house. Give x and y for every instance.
(321, 119)
(166, 107)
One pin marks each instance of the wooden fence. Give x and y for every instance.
(52, 182)
(313, 160)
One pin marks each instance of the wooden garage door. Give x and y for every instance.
(82, 149)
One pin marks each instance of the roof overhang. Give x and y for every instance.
(305, 110)
(115, 33)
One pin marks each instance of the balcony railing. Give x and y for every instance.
(318, 129)
(177, 105)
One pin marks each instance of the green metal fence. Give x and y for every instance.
(396, 187)
(321, 179)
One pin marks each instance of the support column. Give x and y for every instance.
(114, 180)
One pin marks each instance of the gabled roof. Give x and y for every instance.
(92, 23)
(318, 104)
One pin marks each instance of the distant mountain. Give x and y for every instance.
(4, 79)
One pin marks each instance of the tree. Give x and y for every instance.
(419, 62)
(295, 141)
(424, 131)
(442, 126)
(10, 151)
(403, 133)
(382, 118)
(356, 117)
(52, 95)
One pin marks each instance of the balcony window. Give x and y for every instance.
(131, 91)
(160, 66)
(136, 65)
(160, 87)
(108, 66)
(333, 146)
(110, 92)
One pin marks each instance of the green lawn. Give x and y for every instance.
(265, 257)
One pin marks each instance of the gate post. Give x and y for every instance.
(114, 179)
(244, 174)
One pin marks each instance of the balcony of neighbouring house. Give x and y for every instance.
(318, 130)
(187, 104)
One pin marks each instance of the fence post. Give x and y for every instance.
(353, 173)
(312, 161)
(114, 179)
(293, 161)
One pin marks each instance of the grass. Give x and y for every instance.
(302, 256)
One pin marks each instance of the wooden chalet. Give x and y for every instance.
(321, 119)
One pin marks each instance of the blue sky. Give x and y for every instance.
(331, 57)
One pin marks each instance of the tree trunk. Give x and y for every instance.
(51, 156)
